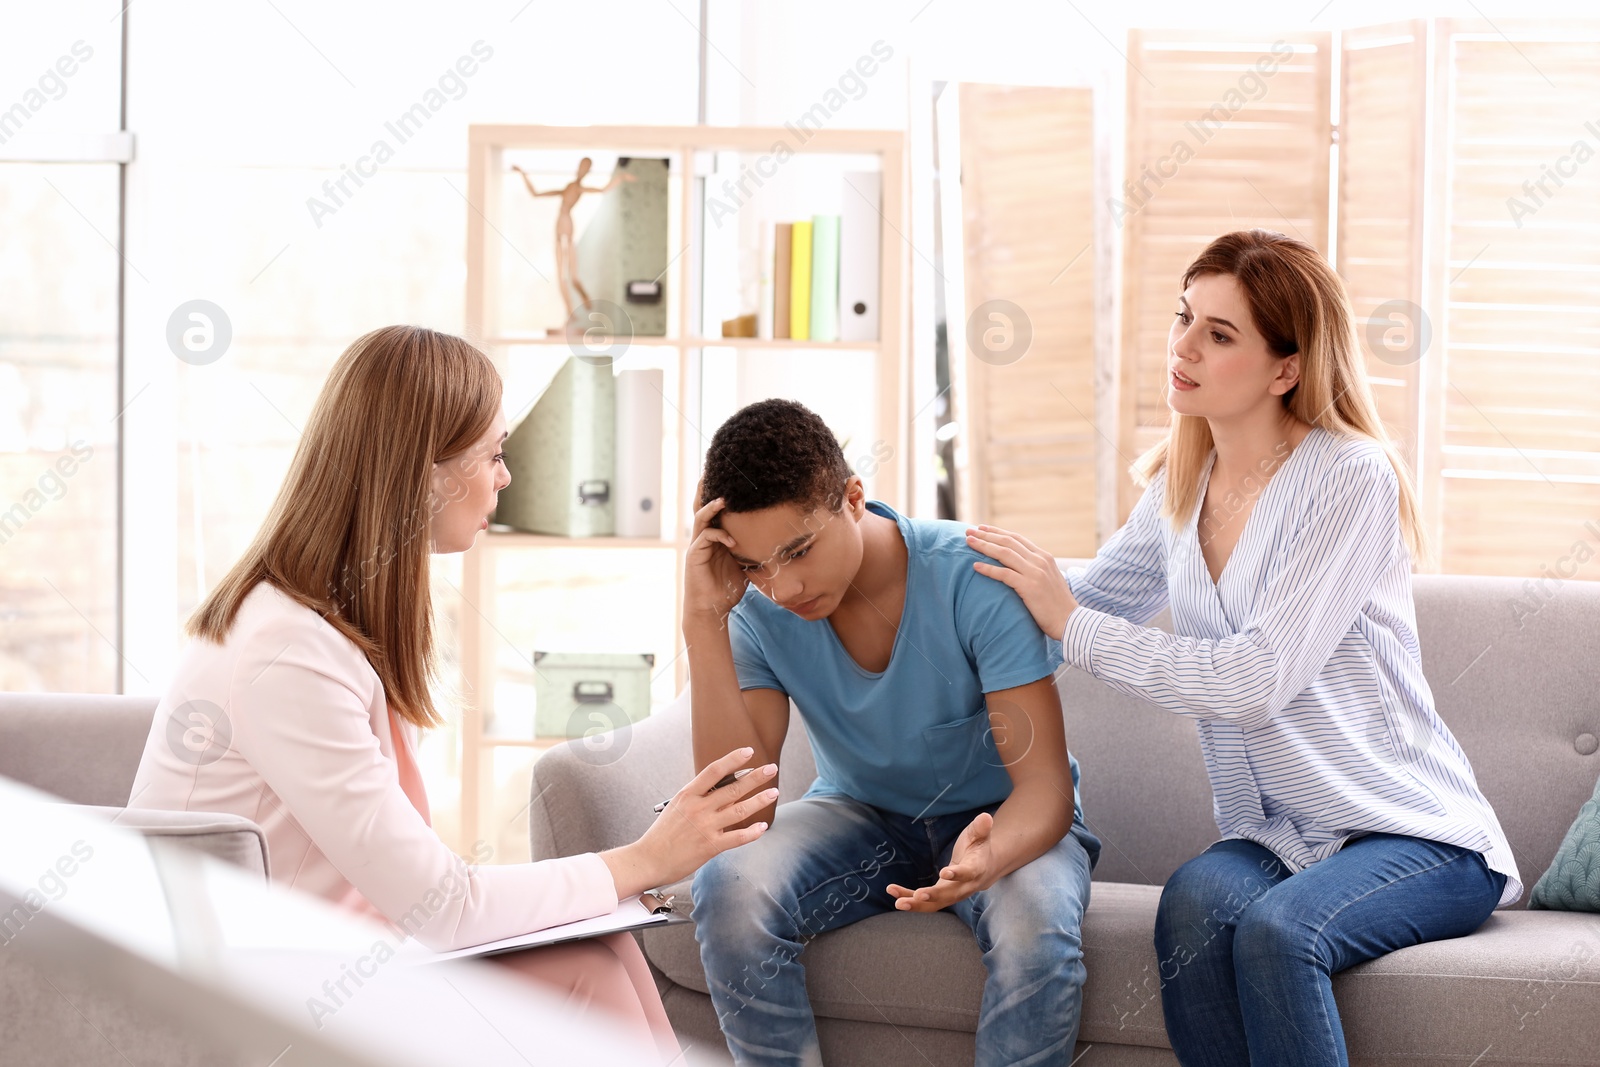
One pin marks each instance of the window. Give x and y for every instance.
(59, 425)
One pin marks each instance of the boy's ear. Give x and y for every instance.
(855, 496)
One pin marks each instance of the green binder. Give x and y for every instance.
(562, 457)
(825, 278)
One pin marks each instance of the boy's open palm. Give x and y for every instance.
(967, 872)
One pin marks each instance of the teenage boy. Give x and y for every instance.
(943, 778)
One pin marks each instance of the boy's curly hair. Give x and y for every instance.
(774, 452)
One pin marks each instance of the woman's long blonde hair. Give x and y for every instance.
(349, 533)
(1299, 305)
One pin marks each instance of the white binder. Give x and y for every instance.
(638, 488)
(764, 307)
(859, 255)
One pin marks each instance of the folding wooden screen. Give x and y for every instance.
(1226, 131)
(1028, 410)
(1464, 217)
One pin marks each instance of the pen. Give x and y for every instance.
(727, 779)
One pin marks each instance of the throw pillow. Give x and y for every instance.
(1573, 881)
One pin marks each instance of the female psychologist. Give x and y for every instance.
(317, 653)
(1278, 525)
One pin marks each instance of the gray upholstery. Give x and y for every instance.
(224, 835)
(648, 762)
(86, 749)
(79, 747)
(1521, 693)
(1520, 689)
(60, 1020)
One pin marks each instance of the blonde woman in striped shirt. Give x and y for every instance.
(1279, 526)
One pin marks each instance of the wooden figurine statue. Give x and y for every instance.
(566, 247)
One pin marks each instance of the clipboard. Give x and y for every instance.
(635, 913)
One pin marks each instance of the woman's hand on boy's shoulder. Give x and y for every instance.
(1029, 570)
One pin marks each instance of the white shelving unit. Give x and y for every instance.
(692, 151)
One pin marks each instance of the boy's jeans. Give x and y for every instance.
(826, 862)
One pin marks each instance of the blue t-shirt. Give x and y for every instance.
(915, 738)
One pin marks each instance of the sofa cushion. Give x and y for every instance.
(1517, 991)
(1525, 988)
(1573, 881)
(860, 972)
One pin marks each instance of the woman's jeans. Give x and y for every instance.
(1247, 951)
(826, 862)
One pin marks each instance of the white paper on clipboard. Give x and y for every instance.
(632, 914)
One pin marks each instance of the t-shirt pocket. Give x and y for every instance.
(960, 751)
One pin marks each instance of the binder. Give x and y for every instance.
(860, 255)
(825, 278)
(624, 244)
(638, 495)
(782, 267)
(562, 457)
(764, 306)
(800, 283)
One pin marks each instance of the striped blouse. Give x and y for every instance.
(1300, 665)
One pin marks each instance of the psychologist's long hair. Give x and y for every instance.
(349, 533)
(1298, 304)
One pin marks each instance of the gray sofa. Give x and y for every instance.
(1515, 675)
(85, 749)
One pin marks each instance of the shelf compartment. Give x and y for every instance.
(499, 282)
(520, 539)
(784, 343)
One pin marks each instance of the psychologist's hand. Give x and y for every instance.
(712, 582)
(1028, 569)
(698, 823)
(969, 870)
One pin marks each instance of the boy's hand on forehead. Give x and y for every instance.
(712, 582)
(700, 503)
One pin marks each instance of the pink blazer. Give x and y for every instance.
(286, 724)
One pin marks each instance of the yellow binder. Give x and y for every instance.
(800, 283)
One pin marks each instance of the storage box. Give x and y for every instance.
(583, 693)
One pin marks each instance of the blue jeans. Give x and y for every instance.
(827, 862)
(1248, 952)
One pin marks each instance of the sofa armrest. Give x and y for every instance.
(226, 836)
(597, 793)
